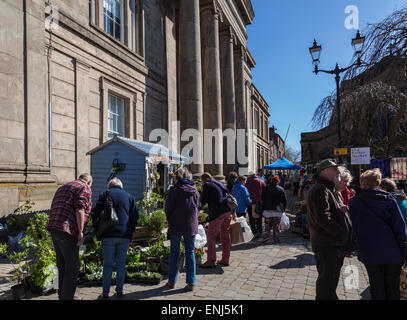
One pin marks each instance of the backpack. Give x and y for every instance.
(230, 200)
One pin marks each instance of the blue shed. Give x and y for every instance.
(134, 163)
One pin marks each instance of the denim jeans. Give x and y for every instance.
(114, 252)
(190, 266)
(67, 256)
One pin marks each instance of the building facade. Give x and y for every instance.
(75, 73)
(277, 146)
(259, 151)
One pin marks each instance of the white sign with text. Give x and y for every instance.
(360, 156)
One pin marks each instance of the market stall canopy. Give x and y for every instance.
(282, 164)
(151, 150)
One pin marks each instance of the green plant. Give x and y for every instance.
(150, 202)
(143, 219)
(198, 184)
(157, 221)
(199, 253)
(38, 241)
(18, 261)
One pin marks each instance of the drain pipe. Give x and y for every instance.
(49, 54)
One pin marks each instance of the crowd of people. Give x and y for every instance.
(72, 205)
(369, 222)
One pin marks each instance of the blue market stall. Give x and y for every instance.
(141, 166)
(282, 164)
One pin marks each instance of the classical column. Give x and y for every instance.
(212, 99)
(227, 40)
(190, 79)
(82, 117)
(239, 64)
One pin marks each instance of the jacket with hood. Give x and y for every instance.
(214, 194)
(381, 235)
(182, 208)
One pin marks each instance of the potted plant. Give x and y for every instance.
(157, 221)
(38, 242)
(18, 261)
(199, 253)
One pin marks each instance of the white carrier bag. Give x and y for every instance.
(247, 232)
(200, 238)
(284, 223)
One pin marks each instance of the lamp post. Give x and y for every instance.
(315, 51)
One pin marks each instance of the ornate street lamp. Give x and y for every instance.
(315, 52)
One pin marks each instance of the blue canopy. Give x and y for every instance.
(282, 164)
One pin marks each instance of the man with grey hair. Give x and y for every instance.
(116, 239)
(342, 185)
(70, 209)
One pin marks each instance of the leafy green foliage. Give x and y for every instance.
(158, 250)
(39, 241)
(150, 202)
(157, 221)
(144, 275)
(18, 261)
(143, 219)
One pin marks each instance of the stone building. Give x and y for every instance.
(74, 73)
(319, 145)
(277, 146)
(260, 154)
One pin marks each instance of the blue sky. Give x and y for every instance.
(279, 38)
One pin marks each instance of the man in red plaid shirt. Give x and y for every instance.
(70, 209)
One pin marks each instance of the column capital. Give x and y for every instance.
(213, 7)
(241, 52)
(228, 33)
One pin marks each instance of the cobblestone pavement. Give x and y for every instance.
(257, 271)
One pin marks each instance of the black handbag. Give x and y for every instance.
(107, 217)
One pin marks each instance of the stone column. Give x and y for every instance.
(227, 40)
(239, 64)
(82, 117)
(212, 99)
(190, 78)
(36, 120)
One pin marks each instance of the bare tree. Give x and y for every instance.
(374, 96)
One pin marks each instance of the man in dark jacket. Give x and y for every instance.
(220, 215)
(381, 234)
(329, 229)
(255, 186)
(116, 239)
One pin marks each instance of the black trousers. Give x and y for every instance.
(255, 224)
(329, 263)
(384, 281)
(67, 256)
(296, 188)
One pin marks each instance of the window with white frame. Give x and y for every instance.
(115, 116)
(113, 15)
(122, 19)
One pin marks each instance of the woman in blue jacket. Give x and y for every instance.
(242, 196)
(381, 236)
(116, 239)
